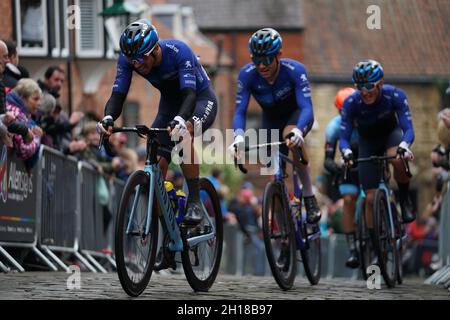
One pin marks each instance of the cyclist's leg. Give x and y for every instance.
(202, 118)
(400, 176)
(312, 208)
(368, 172)
(164, 157)
(349, 192)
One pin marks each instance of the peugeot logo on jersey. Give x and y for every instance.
(188, 64)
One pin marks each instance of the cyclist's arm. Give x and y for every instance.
(404, 115)
(186, 62)
(120, 88)
(346, 126)
(242, 99)
(331, 138)
(304, 102)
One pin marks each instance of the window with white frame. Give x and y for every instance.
(90, 36)
(58, 33)
(41, 27)
(31, 27)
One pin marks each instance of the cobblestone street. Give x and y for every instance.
(46, 285)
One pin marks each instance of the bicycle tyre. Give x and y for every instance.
(383, 240)
(285, 279)
(196, 283)
(312, 269)
(365, 249)
(131, 287)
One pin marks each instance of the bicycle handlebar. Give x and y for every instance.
(379, 159)
(264, 145)
(140, 130)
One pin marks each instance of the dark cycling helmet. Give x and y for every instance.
(138, 38)
(265, 42)
(367, 71)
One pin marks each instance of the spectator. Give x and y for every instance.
(124, 160)
(53, 81)
(129, 164)
(424, 235)
(12, 125)
(91, 153)
(5, 136)
(245, 208)
(52, 84)
(13, 71)
(22, 102)
(440, 156)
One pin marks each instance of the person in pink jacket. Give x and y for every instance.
(22, 102)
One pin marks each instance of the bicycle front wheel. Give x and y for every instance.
(385, 244)
(311, 252)
(279, 238)
(201, 261)
(135, 249)
(366, 253)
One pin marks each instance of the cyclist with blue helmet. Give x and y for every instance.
(381, 115)
(349, 188)
(187, 99)
(281, 88)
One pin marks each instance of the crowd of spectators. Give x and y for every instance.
(31, 115)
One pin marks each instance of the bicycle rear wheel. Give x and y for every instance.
(279, 238)
(201, 261)
(135, 250)
(385, 244)
(311, 253)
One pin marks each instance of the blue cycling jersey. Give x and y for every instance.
(378, 120)
(289, 92)
(179, 69)
(333, 132)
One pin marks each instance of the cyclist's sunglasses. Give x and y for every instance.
(368, 86)
(138, 60)
(265, 60)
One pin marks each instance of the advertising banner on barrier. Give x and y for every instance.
(17, 199)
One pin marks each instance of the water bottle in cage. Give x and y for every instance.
(295, 205)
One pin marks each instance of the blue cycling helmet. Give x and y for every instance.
(367, 71)
(265, 42)
(138, 38)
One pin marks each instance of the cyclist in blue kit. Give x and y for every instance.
(381, 115)
(281, 88)
(187, 100)
(348, 188)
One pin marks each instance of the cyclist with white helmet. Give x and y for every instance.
(381, 115)
(281, 88)
(187, 99)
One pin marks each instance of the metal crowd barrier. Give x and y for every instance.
(93, 241)
(442, 276)
(58, 205)
(334, 253)
(58, 208)
(19, 219)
